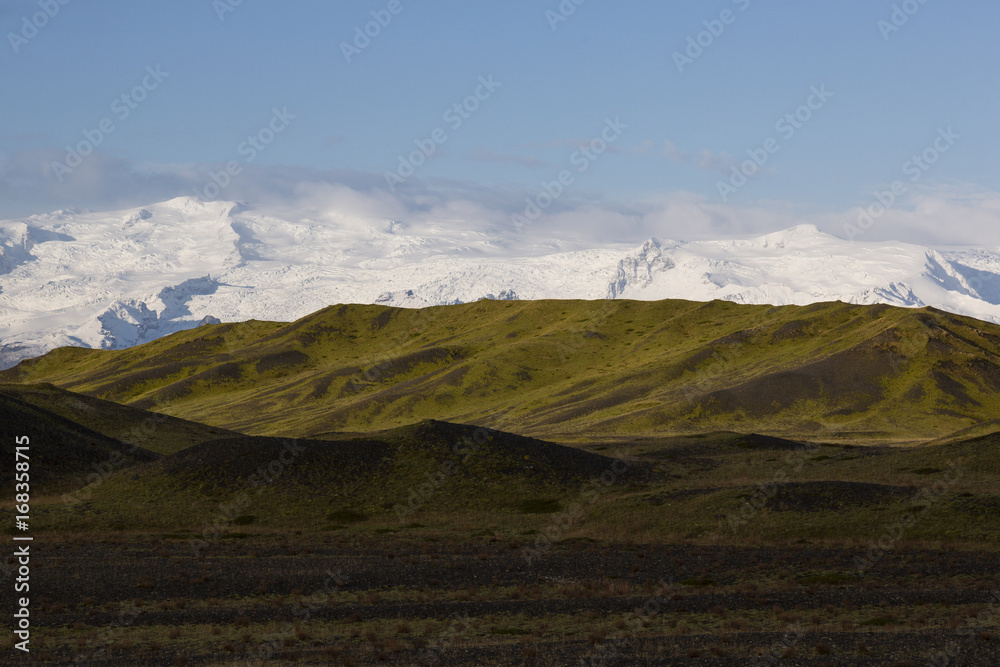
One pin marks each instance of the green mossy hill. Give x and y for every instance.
(564, 369)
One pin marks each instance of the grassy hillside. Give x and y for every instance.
(563, 369)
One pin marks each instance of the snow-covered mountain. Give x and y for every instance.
(802, 265)
(112, 280)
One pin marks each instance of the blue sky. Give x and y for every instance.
(228, 67)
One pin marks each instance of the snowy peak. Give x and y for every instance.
(803, 265)
(194, 207)
(131, 219)
(798, 235)
(639, 270)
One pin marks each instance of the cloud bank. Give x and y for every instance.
(952, 214)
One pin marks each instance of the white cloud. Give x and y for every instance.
(956, 214)
(951, 214)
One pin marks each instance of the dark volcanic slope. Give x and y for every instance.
(235, 462)
(149, 430)
(465, 451)
(453, 467)
(61, 451)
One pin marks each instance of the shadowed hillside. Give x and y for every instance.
(391, 474)
(455, 477)
(564, 369)
(62, 453)
(155, 432)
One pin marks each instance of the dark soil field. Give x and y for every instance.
(706, 549)
(296, 599)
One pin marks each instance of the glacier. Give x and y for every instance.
(111, 280)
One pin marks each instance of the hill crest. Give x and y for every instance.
(563, 369)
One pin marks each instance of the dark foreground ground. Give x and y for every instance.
(375, 599)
